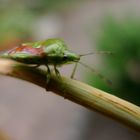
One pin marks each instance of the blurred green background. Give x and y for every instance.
(86, 26)
(122, 38)
(18, 16)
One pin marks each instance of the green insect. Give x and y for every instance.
(48, 52)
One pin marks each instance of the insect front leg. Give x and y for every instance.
(74, 70)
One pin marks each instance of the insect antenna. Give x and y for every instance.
(100, 52)
(97, 73)
(91, 69)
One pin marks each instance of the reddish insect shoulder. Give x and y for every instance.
(26, 49)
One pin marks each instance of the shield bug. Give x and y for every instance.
(48, 52)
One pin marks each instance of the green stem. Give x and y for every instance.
(78, 92)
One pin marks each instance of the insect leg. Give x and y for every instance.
(74, 70)
(48, 75)
(56, 71)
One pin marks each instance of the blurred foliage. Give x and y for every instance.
(40, 6)
(15, 27)
(123, 68)
(18, 16)
(49, 5)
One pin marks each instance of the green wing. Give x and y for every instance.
(47, 43)
(53, 47)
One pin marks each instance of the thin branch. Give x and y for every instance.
(80, 93)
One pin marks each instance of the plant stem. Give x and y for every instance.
(78, 92)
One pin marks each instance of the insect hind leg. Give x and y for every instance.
(48, 75)
(56, 71)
